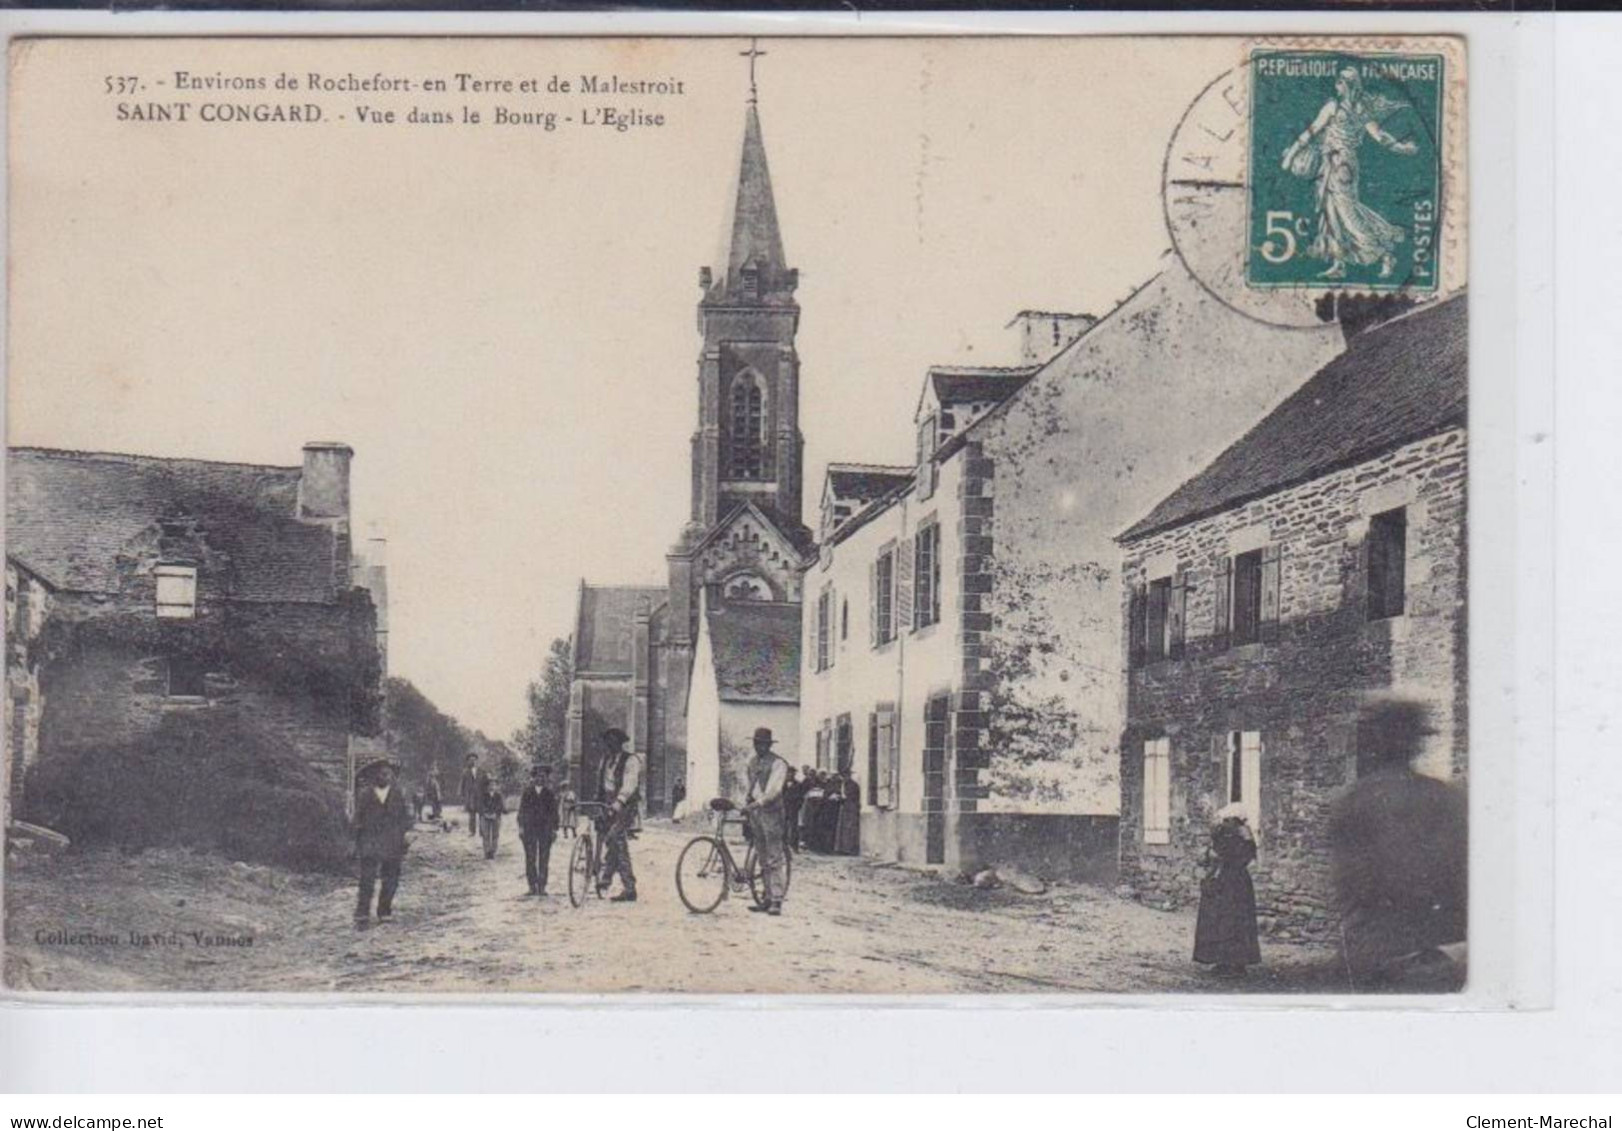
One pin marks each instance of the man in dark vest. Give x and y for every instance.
(768, 777)
(621, 791)
(382, 819)
(538, 826)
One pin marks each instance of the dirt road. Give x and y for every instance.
(466, 924)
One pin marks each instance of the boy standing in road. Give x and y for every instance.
(538, 826)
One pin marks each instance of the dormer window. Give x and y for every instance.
(176, 591)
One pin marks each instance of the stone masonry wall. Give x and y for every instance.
(283, 663)
(1303, 687)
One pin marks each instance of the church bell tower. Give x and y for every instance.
(748, 446)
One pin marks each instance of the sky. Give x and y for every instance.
(501, 320)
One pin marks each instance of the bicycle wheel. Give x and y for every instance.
(581, 879)
(757, 875)
(701, 874)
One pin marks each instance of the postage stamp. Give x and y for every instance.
(1344, 169)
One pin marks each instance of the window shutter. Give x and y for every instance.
(892, 771)
(1270, 593)
(1137, 625)
(1176, 615)
(903, 585)
(872, 604)
(873, 758)
(1224, 604)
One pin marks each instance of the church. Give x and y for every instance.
(738, 561)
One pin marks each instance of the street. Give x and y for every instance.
(463, 924)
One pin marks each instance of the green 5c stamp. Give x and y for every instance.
(1345, 170)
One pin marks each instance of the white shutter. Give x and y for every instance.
(1157, 791)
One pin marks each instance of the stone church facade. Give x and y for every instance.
(743, 541)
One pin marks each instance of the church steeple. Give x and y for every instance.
(748, 446)
(751, 266)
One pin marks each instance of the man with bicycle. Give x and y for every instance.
(768, 774)
(621, 790)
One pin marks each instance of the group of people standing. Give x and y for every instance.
(824, 811)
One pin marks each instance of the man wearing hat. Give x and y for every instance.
(768, 775)
(538, 826)
(621, 790)
(382, 819)
(472, 792)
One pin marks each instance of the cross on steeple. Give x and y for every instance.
(752, 54)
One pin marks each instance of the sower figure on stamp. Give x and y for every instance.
(538, 826)
(768, 775)
(472, 792)
(1348, 229)
(382, 819)
(621, 790)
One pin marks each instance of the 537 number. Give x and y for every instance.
(121, 84)
(1283, 231)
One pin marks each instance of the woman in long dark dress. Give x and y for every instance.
(847, 833)
(1225, 933)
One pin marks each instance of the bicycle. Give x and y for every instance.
(706, 870)
(585, 862)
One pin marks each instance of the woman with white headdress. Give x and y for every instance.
(1225, 932)
(1348, 230)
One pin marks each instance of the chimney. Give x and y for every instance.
(323, 492)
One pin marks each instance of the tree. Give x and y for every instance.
(543, 738)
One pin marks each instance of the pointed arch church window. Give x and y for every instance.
(748, 427)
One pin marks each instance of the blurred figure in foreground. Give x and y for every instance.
(1399, 849)
(1225, 932)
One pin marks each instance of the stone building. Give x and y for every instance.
(1317, 561)
(28, 604)
(140, 586)
(963, 628)
(634, 646)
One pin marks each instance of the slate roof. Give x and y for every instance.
(69, 515)
(865, 481)
(603, 635)
(958, 384)
(1396, 383)
(756, 647)
(751, 230)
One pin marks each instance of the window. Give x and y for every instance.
(177, 591)
(844, 618)
(928, 472)
(926, 603)
(947, 426)
(1156, 619)
(1157, 791)
(884, 598)
(824, 741)
(747, 428)
(748, 587)
(185, 678)
(1242, 775)
(824, 606)
(1388, 561)
(882, 756)
(845, 745)
(1247, 597)
(1156, 636)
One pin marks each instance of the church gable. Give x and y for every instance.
(749, 558)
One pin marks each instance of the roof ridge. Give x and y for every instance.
(95, 454)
